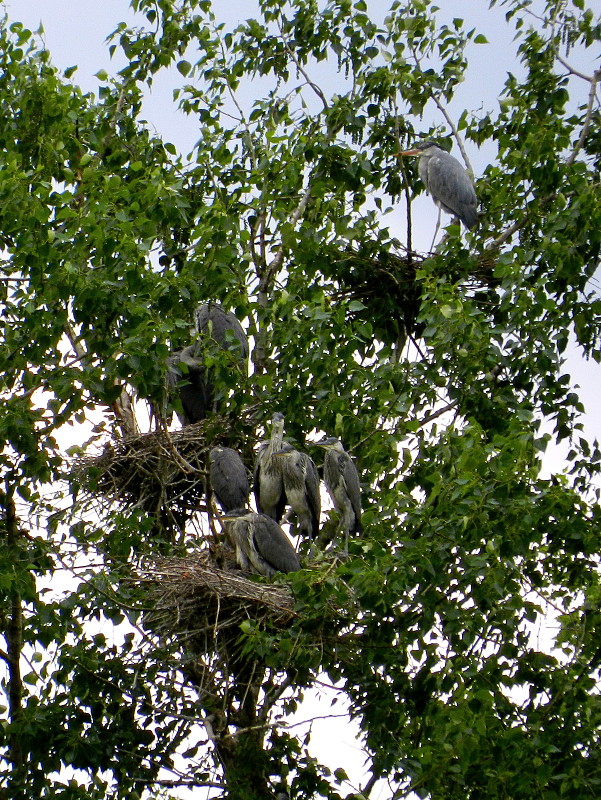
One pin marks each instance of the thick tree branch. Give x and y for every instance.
(369, 786)
(14, 644)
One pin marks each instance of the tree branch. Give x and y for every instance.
(122, 407)
(271, 697)
(301, 70)
(14, 644)
(587, 120)
(455, 133)
(573, 71)
(369, 786)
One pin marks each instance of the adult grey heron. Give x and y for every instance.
(447, 182)
(284, 476)
(228, 478)
(261, 545)
(197, 384)
(342, 482)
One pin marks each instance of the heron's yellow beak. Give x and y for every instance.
(413, 152)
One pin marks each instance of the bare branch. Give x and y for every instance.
(314, 719)
(587, 120)
(301, 70)
(435, 414)
(573, 71)
(455, 132)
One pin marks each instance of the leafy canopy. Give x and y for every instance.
(443, 373)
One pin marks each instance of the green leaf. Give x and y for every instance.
(184, 67)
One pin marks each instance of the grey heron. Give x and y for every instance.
(188, 371)
(261, 545)
(228, 478)
(447, 182)
(342, 482)
(284, 476)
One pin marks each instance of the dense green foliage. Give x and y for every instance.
(442, 373)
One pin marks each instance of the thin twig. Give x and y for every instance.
(587, 120)
(455, 133)
(573, 71)
(317, 89)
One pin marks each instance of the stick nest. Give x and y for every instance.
(386, 284)
(196, 599)
(159, 470)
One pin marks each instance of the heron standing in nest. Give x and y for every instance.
(447, 182)
(284, 476)
(342, 482)
(228, 478)
(261, 545)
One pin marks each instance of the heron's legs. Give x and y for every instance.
(436, 229)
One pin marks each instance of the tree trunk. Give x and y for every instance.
(14, 646)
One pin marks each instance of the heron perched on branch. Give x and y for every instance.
(342, 482)
(447, 182)
(228, 478)
(261, 545)
(188, 371)
(284, 476)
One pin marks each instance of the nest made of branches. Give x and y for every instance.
(197, 599)
(161, 469)
(385, 283)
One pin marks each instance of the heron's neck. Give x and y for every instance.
(277, 438)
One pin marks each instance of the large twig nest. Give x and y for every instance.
(195, 599)
(158, 470)
(386, 284)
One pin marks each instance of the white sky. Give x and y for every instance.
(75, 33)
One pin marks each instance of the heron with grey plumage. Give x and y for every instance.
(188, 373)
(261, 545)
(285, 476)
(228, 478)
(342, 482)
(447, 183)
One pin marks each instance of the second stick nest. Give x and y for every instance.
(200, 601)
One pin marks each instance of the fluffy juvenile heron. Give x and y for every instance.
(447, 182)
(188, 373)
(342, 482)
(228, 478)
(268, 482)
(284, 476)
(261, 545)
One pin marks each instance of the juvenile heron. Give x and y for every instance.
(228, 478)
(268, 482)
(261, 545)
(188, 373)
(284, 476)
(447, 182)
(214, 322)
(342, 482)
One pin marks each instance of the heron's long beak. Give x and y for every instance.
(413, 152)
(234, 514)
